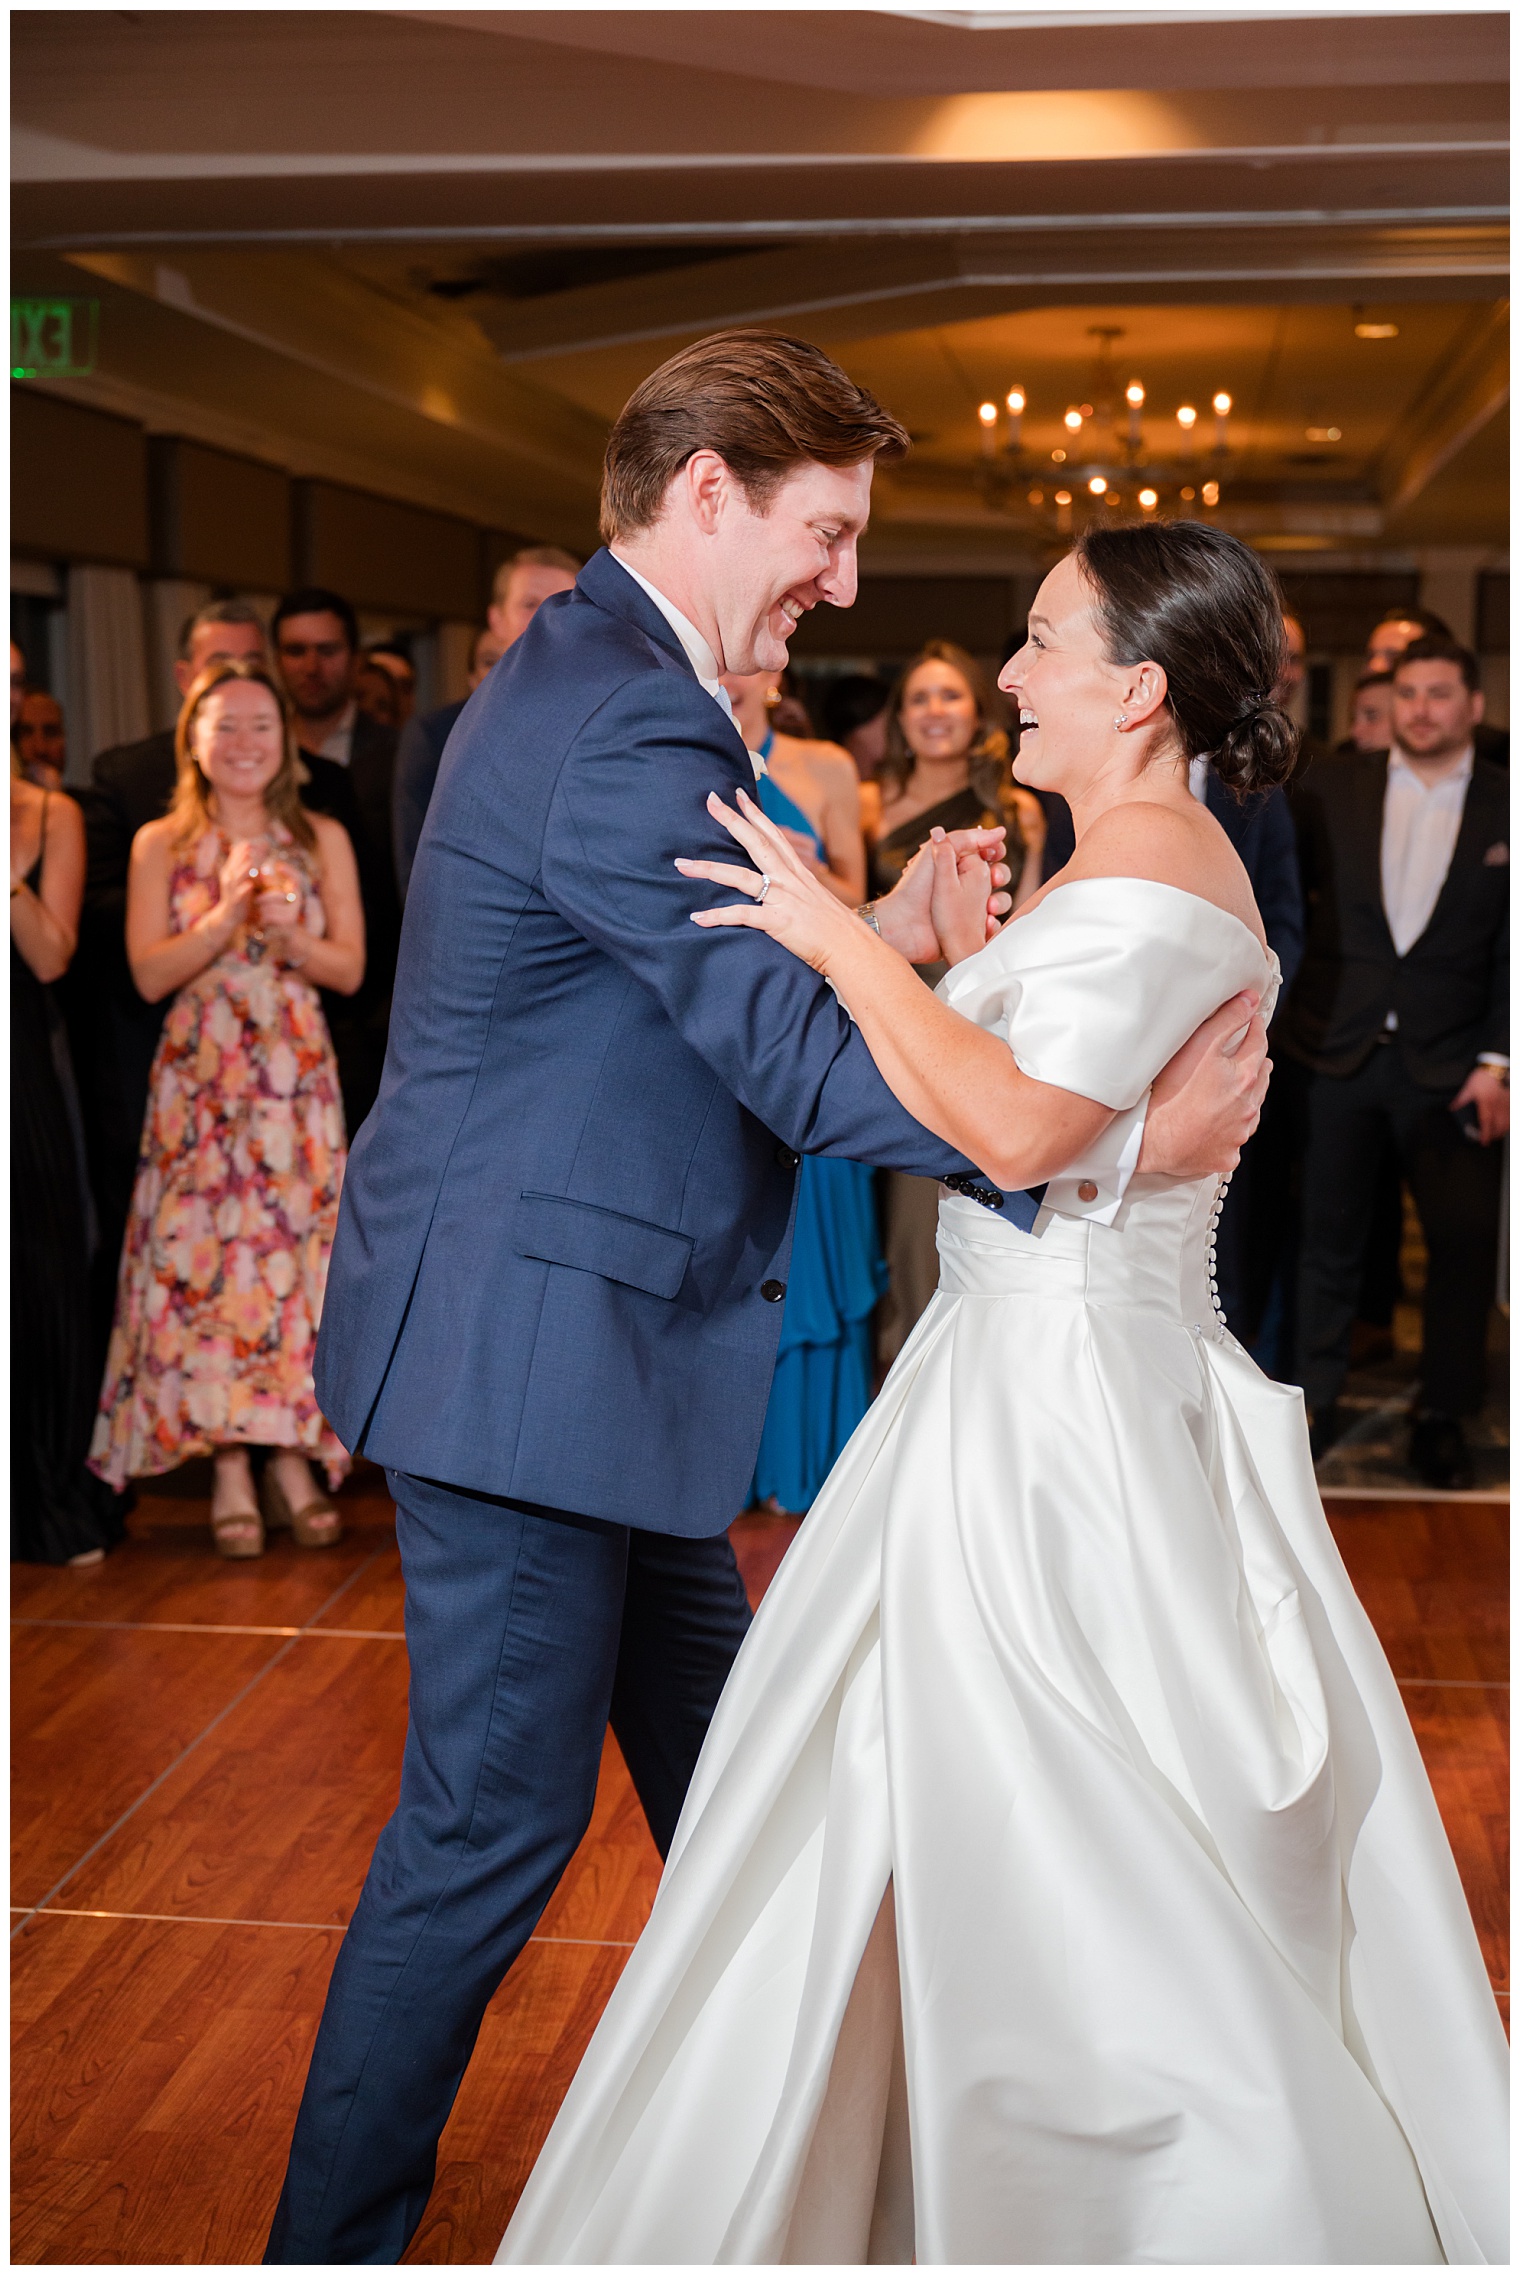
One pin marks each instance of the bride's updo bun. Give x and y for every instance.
(1208, 611)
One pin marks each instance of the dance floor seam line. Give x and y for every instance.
(215, 1627)
(199, 1739)
(311, 1927)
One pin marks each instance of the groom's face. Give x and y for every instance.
(766, 570)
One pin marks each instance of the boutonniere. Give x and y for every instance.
(1497, 856)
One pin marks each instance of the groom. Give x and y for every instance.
(555, 1295)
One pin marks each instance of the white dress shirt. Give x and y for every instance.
(1420, 824)
(698, 654)
(339, 745)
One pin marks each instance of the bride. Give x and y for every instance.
(1060, 1881)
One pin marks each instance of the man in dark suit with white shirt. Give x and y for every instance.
(1400, 1017)
(351, 761)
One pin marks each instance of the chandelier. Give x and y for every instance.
(1109, 457)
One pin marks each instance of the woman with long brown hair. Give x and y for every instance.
(946, 767)
(241, 905)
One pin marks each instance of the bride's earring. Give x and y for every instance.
(1121, 722)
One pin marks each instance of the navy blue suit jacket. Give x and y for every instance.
(417, 760)
(559, 1221)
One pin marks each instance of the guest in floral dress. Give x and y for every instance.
(241, 905)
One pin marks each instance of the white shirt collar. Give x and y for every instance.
(698, 654)
(1461, 773)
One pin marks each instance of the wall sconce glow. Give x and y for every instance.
(1063, 497)
(1222, 406)
(1134, 394)
(1211, 493)
(1149, 501)
(1376, 331)
(1037, 497)
(1097, 485)
(1058, 458)
(1188, 496)
(1187, 418)
(1073, 421)
(1016, 401)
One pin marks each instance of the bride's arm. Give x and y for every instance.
(951, 1075)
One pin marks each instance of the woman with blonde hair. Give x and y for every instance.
(241, 905)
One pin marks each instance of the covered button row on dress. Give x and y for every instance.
(1214, 1216)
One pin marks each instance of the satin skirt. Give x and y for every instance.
(1060, 1882)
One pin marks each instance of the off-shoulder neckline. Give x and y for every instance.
(1155, 884)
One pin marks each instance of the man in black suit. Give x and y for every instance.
(113, 1034)
(1388, 639)
(518, 590)
(351, 760)
(1400, 1019)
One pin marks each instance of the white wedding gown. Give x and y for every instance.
(1060, 1881)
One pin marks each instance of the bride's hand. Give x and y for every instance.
(958, 902)
(786, 898)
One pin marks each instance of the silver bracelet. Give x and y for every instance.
(867, 914)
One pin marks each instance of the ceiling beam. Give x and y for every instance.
(1461, 398)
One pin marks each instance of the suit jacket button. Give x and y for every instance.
(773, 1290)
(1087, 1190)
(786, 1157)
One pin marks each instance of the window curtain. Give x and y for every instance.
(108, 664)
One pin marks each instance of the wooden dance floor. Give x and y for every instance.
(204, 1753)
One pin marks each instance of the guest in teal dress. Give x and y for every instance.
(824, 1369)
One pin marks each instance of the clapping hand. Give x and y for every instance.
(237, 879)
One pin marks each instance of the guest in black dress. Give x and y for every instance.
(946, 767)
(60, 1514)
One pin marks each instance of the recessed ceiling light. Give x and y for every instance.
(1376, 331)
(1063, 497)
(1037, 497)
(1058, 458)
(1322, 434)
(1211, 493)
(1149, 500)
(1098, 485)
(1188, 496)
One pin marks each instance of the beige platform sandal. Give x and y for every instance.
(237, 1533)
(316, 1524)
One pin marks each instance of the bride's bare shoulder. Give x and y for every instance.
(1169, 845)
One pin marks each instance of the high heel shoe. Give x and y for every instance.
(316, 1524)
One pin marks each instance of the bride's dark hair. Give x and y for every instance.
(1210, 613)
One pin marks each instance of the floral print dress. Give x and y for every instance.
(235, 1204)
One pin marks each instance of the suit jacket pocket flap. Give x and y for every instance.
(558, 1231)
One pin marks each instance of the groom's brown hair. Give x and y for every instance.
(763, 401)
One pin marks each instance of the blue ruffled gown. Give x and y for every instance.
(823, 1377)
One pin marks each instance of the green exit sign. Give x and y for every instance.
(53, 339)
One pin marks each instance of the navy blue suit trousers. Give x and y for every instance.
(527, 1632)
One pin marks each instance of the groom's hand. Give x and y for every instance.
(1206, 1102)
(904, 916)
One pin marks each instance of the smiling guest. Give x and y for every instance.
(1400, 1021)
(240, 905)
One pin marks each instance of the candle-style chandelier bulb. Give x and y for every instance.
(987, 413)
(1016, 401)
(1098, 485)
(1187, 418)
(1073, 420)
(1149, 500)
(1134, 394)
(1222, 405)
